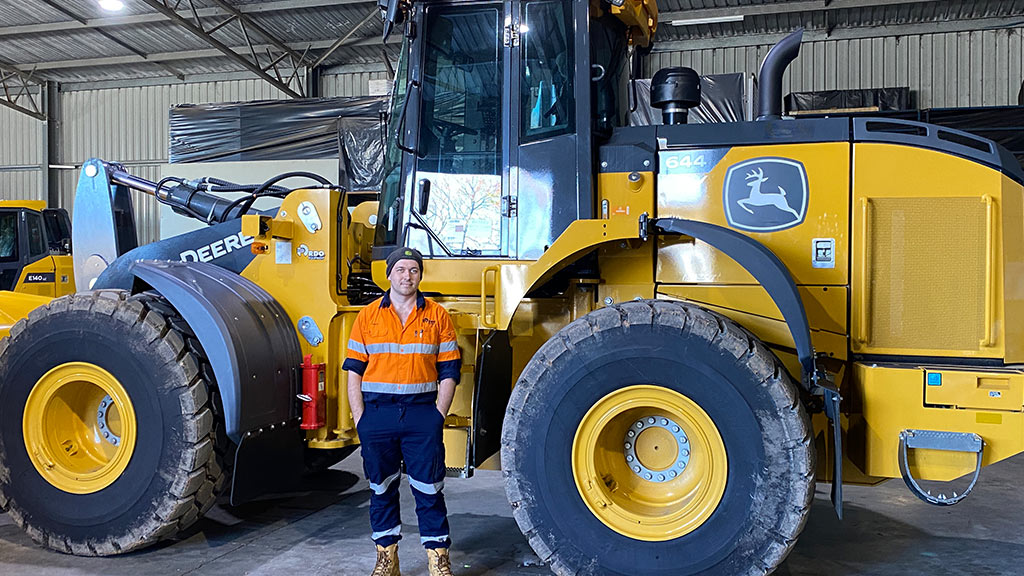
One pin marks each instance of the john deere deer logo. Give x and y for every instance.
(765, 194)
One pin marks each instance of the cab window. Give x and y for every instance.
(36, 236)
(547, 77)
(460, 131)
(8, 236)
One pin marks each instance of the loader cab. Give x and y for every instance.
(29, 235)
(493, 113)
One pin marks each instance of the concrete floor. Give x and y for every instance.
(325, 531)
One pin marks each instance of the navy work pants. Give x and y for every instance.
(397, 431)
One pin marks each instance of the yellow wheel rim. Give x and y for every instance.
(649, 463)
(79, 428)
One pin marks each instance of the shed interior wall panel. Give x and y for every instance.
(129, 125)
(21, 156)
(351, 84)
(21, 185)
(954, 69)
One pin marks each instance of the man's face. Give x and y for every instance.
(405, 277)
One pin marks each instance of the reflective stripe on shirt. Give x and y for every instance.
(390, 388)
(395, 348)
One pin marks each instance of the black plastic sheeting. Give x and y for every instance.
(1003, 125)
(349, 129)
(882, 98)
(721, 100)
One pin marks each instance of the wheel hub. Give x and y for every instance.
(649, 463)
(79, 428)
(656, 449)
(103, 417)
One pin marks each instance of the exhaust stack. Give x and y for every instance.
(769, 77)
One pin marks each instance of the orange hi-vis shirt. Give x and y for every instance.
(396, 359)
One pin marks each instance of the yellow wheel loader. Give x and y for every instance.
(35, 257)
(670, 333)
(35, 249)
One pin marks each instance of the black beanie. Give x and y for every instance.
(402, 253)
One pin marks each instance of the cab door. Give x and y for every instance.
(25, 262)
(549, 137)
(10, 248)
(460, 76)
(38, 275)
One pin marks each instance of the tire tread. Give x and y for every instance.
(199, 476)
(793, 437)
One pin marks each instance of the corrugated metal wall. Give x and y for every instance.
(956, 69)
(355, 84)
(129, 125)
(20, 156)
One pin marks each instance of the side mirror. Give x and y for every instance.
(390, 14)
(422, 196)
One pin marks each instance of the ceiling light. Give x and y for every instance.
(711, 20)
(111, 5)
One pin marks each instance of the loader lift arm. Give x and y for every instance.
(104, 223)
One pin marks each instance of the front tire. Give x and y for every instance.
(720, 483)
(106, 432)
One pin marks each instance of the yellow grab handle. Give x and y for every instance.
(863, 328)
(488, 320)
(990, 267)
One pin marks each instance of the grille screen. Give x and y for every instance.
(927, 273)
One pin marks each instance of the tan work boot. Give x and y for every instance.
(438, 563)
(387, 561)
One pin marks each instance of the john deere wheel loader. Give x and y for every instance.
(670, 332)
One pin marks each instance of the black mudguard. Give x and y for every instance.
(254, 351)
(490, 395)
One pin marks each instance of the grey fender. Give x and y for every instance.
(247, 336)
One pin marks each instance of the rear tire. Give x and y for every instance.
(172, 476)
(644, 356)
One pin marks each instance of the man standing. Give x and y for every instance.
(401, 346)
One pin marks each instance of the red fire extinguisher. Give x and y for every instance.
(314, 403)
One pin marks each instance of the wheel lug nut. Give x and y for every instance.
(630, 433)
(672, 473)
(651, 420)
(639, 424)
(629, 458)
(628, 445)
(686, 452)
(648, 475)
(664, 422)
(675, 429)
(661, 477)
(636, 469)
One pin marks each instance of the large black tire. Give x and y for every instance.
(173, 475)
(708, 358)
